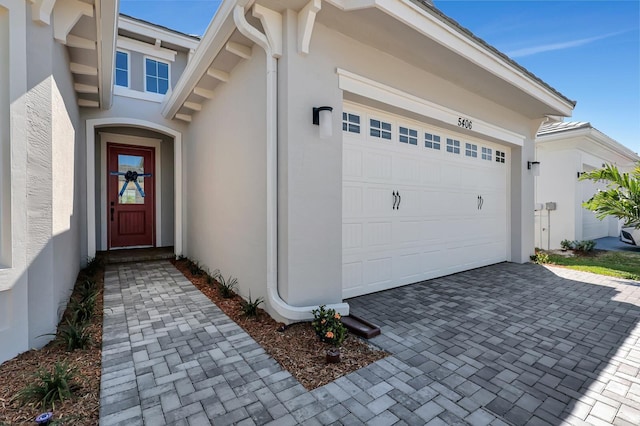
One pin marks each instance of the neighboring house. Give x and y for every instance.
(565, 150)
(420, 170)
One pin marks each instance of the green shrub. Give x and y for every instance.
(49, 387)
(87, 290)
(227, 287)
(540, 257)
(94, 265)
(194, 268)
(566, 245)
(81, 311)
(584, 246)
(328, 327)
(74, 336)
(250, 307)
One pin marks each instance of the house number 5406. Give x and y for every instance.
(464, 123)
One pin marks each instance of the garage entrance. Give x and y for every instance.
(418, 201)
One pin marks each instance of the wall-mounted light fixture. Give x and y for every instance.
(534, 166)
(322, 118)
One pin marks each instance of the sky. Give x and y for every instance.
(588, 50)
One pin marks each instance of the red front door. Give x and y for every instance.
(131, 195)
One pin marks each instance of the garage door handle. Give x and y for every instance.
(399, 200)
(480, 202)
(395, 200)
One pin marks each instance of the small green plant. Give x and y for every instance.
(94, 264)
(74, 336)
(49, 387)
(566, 245)
(81, 311)
(88, 289)
(584, 246)
(250, 307)
(195, 269)
(540, 257)
(212, 277)
(227, 287)
(328, 327)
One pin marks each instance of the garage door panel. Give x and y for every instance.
(378, 166)
(378, 234)
(453, 211)
(378, 270)
(351, 201)
(352, 164)
(431, 172)
(378, 201)
(407, 170)
(351, 236)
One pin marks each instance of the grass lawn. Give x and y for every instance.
(612, 263)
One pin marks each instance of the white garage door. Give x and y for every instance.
(418, 202)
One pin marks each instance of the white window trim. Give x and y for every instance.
(136, 94)
(128, 53)
(144, 70)
(130, 44)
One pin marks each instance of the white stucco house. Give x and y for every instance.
(565, 150)
(418, 166)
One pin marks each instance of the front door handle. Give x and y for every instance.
(112, 210)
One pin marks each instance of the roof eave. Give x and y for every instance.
(218, 32)
(107, 27)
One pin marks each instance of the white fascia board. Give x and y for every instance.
(155, 32)
(147, 49)
(593, 136)
(106, 23)
(215, 37)
(430, 26)
(371, 89)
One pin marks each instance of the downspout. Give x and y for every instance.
(285, 310)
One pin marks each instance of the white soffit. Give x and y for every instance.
(371, 89)
(147, 49)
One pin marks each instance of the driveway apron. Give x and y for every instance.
(506, 344)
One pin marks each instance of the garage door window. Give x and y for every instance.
(350, 122)
(500, 157)
(453, 146)
(409, 136)
(431, 141)
(380, 129)
(487, 153)
(471, 150)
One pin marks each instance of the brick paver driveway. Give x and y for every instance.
(524, 343)
(506, 344)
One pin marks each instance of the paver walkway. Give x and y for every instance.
(506, 344)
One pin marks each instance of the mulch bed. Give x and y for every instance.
(297, 348)
(84, 407)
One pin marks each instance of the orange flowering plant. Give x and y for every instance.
(328, 326)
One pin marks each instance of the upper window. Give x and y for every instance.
(453, 146)
(486, 153)
(122, 69)
(350, 122)
(431, 141)
(407, 135)
(500, 157)
(471, 150)
(380, 129)
(156, 76)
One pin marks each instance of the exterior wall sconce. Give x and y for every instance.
(322, 118)
(534, 166)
